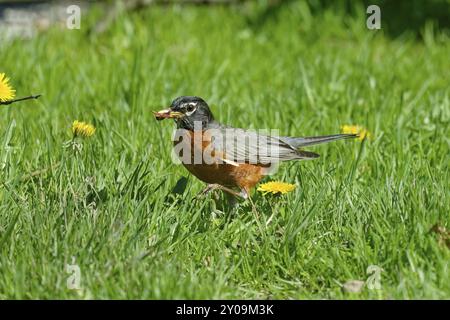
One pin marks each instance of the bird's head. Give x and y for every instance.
(186, 111)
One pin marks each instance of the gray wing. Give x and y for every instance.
(245, 146)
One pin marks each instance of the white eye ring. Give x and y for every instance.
(189, 106)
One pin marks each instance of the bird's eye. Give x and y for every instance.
(190, 108)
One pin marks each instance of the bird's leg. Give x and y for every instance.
(244, 194)
(231, 191)
(208, 189)
(214, 186)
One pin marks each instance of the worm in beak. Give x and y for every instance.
(167, 114)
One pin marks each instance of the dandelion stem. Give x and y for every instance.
(20, 99)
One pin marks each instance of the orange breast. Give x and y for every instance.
(244, 176)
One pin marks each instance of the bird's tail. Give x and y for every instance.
(310, 141)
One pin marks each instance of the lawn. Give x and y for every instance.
(113, 209)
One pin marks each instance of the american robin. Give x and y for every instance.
(228, 158)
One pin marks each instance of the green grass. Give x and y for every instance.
(111, 206)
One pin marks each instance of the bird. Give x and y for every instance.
(230, 159)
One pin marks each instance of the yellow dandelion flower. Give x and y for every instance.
(82, 129)
(276, 187)
(361, 131)
(6, 91)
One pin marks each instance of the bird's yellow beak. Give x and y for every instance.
(167, 114)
